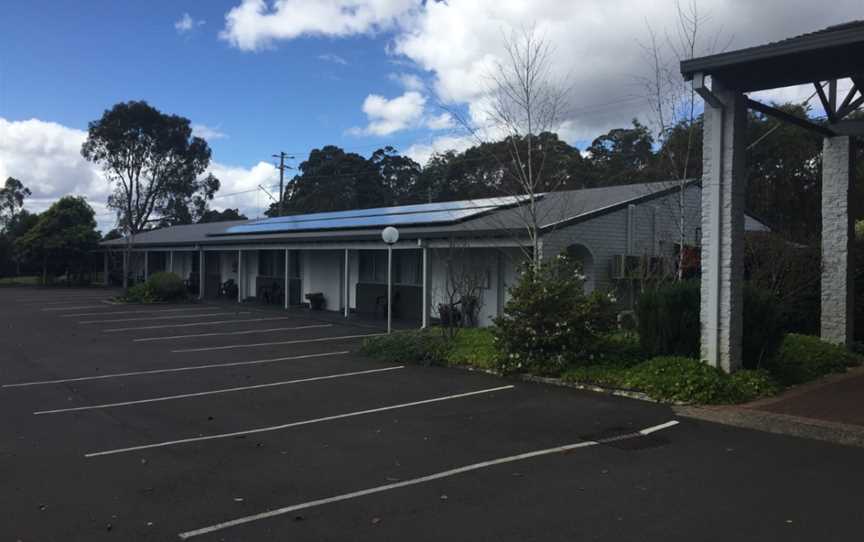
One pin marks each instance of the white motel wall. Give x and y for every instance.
(639, 227)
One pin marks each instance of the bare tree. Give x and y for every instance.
(673, 103)
(524, 100)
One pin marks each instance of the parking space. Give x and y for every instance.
(218, 422)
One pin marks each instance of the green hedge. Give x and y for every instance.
(802, 358)
(669, 322)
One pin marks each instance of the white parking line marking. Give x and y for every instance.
(193, 324)
(63, 299)
(78, 307)
(422, 480)
(148, 311)
(254, 345)
(173, 317)
(69, 301)
(217, 392)
(173, 369)
(221, 333)
(297, 424)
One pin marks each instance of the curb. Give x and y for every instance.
(781, 424)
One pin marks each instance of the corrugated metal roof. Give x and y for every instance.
(555, 209)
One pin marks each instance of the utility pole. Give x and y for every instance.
(282, 156)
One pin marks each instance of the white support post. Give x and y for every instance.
(425, 319)
(347, 286)
(389, 289)
(239, 276)
(171, 261)
(200, 273)
(285, 288)
(146, 264)
(724, 186)
(838, 280)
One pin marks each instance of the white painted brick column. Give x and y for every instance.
(724, 186)
(838, 306)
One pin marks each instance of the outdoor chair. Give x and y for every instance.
(228, 289)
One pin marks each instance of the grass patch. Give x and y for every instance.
(473, 346)
(19, 281)
(678, 379)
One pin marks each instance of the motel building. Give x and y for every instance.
(463, 252)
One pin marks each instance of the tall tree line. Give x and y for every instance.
(783, 168)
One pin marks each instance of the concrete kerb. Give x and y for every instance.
(781, 424)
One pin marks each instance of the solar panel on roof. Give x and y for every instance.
(405, 215)
(434, 217)
(402, 209)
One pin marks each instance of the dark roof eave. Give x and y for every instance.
(827, 54)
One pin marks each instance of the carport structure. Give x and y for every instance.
(819, 58)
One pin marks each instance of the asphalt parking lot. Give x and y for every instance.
(215, 422)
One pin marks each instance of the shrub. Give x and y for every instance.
(678, 379)
(140, 293)
(791, 273)
(668, 319)
(763, 327)
(167, 286)
(755, 384)
(802, 358)
(620, 349)
(549, 322)
(669, 322)
(422, 347)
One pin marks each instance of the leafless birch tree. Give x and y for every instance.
(673, 103)
(524, 99)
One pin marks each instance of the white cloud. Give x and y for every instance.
(335, 59)
(596, 42)
(256, 24)
(187, 24)
(409, 81)
(421, 152)
(46, 157)
(389, 116)
(443, 121)
(208, 133)
(239, 187)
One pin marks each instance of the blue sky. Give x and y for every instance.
(259, 76)
(68, 61)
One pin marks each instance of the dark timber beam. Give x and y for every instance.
(826, 104)
(786, 117)
(848, 128)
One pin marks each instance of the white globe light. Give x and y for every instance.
(390, 235)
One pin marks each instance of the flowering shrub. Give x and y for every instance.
(549, 322)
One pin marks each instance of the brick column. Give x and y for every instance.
(724, 185)
(838, 288)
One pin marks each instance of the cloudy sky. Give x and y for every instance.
(256, 77)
